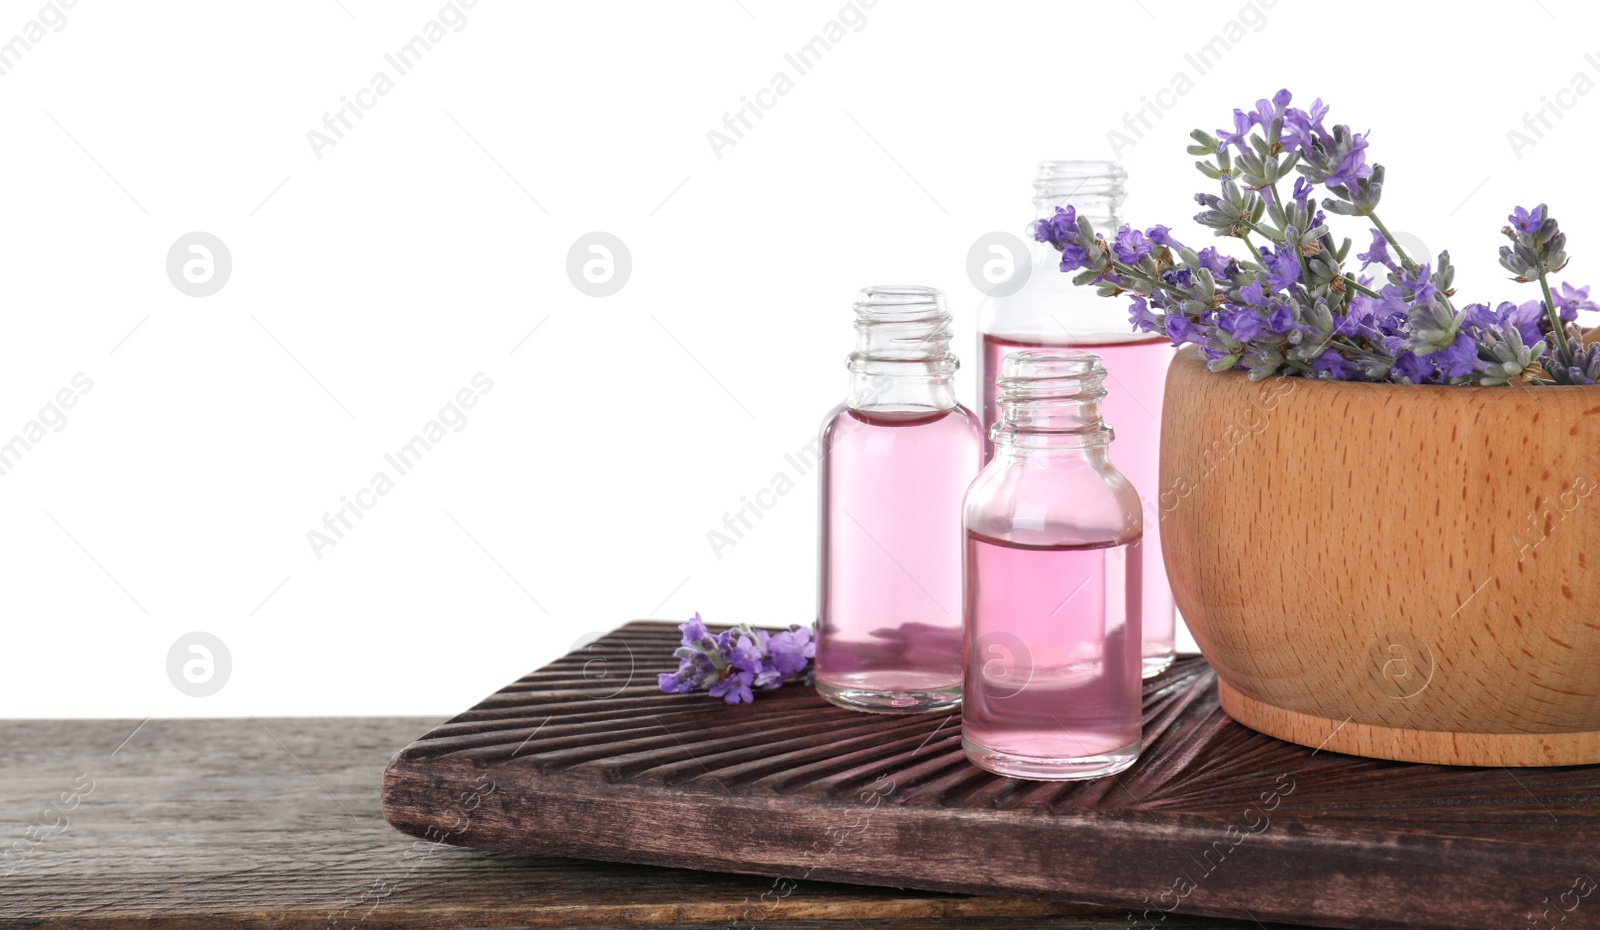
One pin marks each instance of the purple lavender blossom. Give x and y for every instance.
(1459, 358)
(1283, 269)
(1058, 230)
(1162, 236)
(1062, 232)
(734, 663)
(1142, 319)
(1302, 192)
(1301, 127)
(734, 688)
(1569, 300)
(695, 630)
(1413, 368)
(1268, 110)
(1292, 307)
(1353, 166)
(1420, 283)
(1378, 254)
(791, 650)
(1526, 221)
(1241, 129)
(1214, 261)
(1131, 245)
(1334, 366)
(1243, 325)
(1179, 329)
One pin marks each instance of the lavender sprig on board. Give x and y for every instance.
(735, 663)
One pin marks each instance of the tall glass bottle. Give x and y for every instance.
(1049, 311)
(1053, 582)
(897, 456)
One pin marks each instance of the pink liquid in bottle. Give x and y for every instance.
(1136, 378)
(890, 633)
(1053, 688)
(897, 457)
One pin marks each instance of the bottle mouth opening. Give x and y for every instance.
(900, 303)
(1031, 366)
(901, 322)
(1051, 397)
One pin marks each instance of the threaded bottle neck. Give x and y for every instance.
(1050, 399)
(902, 359)
(1094, 188)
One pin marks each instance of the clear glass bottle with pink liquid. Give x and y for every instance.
(1049, 311)
(897, 457)
(1053, 582)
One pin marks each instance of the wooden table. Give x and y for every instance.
(275, 823)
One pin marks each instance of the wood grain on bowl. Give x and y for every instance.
(1414, 565)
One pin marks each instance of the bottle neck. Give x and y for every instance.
(1050, 405)
(1095, 189)
(902, 388)
(902, 363)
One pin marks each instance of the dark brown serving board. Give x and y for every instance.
(587, 758)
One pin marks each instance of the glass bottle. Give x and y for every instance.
(1053, 582)
(1049, 311)
(897, 456)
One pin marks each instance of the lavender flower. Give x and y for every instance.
(1302, 192)
(1131, 245)
(1584, 367)
(1241, 131)
(1058, 230)
(1537, 250)
(735, 663)
(1140, 316)
(1289, 307)
(1064, 232)
(1569, 300)
(1162, 236)
(1301, 127)
(1525, 221)
(1378, 254)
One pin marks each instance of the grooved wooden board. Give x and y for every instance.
(274, 824)
(587, 758)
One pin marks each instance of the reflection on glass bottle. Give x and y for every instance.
(897, 456)
(1053, 582)
(1049, 311)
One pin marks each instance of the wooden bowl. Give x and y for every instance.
(1400, 572)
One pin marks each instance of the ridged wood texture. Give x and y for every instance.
(587, 758)
(1418, 564)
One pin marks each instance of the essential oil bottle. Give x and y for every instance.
(1054, 572)
(1050, 312)
(897, 457)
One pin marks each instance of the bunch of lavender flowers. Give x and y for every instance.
(731, 663)
(1289, 306)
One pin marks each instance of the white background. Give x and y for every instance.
(369, 285)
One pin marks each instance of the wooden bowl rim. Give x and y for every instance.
(1190, 357)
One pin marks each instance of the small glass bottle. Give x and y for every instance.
(897, 456)
(1053, 582)
(1049, 311)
